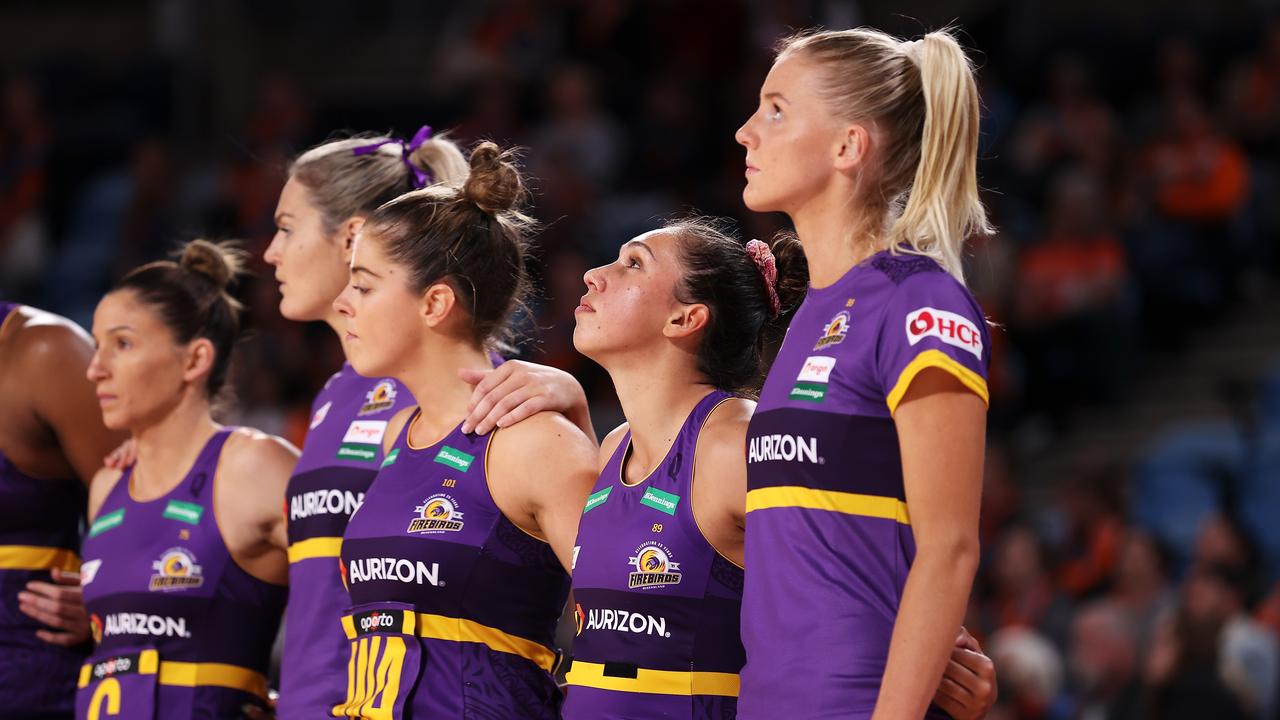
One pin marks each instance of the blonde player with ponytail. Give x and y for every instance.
(865, 452)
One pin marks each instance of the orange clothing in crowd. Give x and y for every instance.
(1207, 179)
(1063, 275)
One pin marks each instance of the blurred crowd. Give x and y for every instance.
(1133, 180)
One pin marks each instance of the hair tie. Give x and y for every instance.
(762, 256)
(420, 178)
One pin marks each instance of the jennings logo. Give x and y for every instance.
(653, 567)
(438, 513)
(175, 570)
(381, 397)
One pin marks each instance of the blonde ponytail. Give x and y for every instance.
(922, 98)
(942, 207)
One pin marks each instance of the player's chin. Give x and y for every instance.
(364, 360)
(585, 337)
(757, 200)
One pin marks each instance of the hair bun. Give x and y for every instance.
(494, 183)
(219, 262)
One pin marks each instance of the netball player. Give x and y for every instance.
(680, 321)
(454, 588)
(865, 453)
(184, 560)
(331, 190)
(51, 442)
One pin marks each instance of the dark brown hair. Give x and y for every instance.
(742, 329)
(472, 237)
(191, 298)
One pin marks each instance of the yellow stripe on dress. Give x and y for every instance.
(876, 506)
(36, 557)
(944, 362)
(189, 674)
(316, 547)
(442, 627)
(654, 682)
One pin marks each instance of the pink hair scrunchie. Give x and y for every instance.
(762, 256)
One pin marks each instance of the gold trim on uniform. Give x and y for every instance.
(316, 547)
(35, 557)
(441, 627)
(942, 361)
(656, 682)
(876, 506)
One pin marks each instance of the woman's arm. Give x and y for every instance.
(249, 498)
(540, 473)
(516, 390)
(942, 432)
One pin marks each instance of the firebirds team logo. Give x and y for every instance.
(653, 567)
(381, 397)
(834, 332)
(176, 570)
(438, 513)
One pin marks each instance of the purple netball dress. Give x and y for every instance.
(829, 541)
(39, 530)
(182, 630)
(453, 607)
(657, 607)
(339, 459)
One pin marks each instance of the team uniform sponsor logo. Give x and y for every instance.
(324, 502)
(130, 623)
(792, 448)
(623, 621)
(381, 397)
(660, 500)
(653, 567)
(394, 569)
(320, 415)
(834, 332)
(175, 570)
(375, 621)
(391, 458)
(811, 383)
(186, 512)
(597, 499)
(454, 458)
(89, 571)
(106, 522)
(438, 513)
(952, 329)
(363, 440)
(112, 666)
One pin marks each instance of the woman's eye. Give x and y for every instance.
(775, 112)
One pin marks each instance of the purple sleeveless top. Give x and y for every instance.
(454, 608)
(39, 530)
(657, 607)
(339, 459)
(829, 541)
(182, 630)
